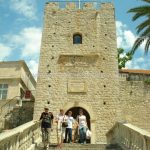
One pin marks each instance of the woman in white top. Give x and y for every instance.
(68, 134)
(82, 126)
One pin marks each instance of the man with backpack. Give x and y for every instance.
(46, 126)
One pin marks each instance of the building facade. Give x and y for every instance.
(78, 65)
(15, 80)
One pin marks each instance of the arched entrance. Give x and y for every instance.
(75, 113)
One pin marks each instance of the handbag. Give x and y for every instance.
(64, 123)
(88, 134)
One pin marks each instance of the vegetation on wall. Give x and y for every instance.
(147, 81)
(123, 57)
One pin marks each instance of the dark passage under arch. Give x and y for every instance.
(75, 113)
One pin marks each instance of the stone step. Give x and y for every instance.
(81, 147)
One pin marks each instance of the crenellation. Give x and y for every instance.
(107, 6)
(51, 6)
(87, 6)
(71, 6)
(74, 6)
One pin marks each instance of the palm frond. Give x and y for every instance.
(147, 1)
(147, 45)
(139, 11)
(137, 43)
(146, 32)
(138, 15)
(143, 25)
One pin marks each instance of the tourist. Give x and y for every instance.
(60, 120)
(46, 126)
(68, 134)
(82, 124)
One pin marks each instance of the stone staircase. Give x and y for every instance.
(81, 147)
(17, 115)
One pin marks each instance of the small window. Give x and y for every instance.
(3, 91)
(77, 39)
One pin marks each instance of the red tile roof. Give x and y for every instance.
(136, 71)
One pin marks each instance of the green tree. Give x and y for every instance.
(123, 57)
(143, 29)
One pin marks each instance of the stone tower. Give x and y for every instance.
(78, 64)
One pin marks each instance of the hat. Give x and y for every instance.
(46, 107)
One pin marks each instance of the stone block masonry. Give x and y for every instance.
(80, 75)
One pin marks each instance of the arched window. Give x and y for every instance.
(77, 39)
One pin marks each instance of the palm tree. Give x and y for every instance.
(143, 29)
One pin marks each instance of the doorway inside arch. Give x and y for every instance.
(75, 113)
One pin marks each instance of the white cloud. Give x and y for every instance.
(24, 7)
(28, 41)
(5, 51)
(31, 41)
(125, 40)
(33, 65)
(136, 63)
(125, 37)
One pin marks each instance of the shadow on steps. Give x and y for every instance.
(81, 147)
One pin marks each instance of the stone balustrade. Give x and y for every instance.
(6, 108)
(24, 137)
(129, 137)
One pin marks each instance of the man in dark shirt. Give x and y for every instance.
(46, 126)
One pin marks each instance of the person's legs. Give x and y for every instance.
(66, 135)
(81, 135)
(48, 135)
(43, 136)
(62, 136)
(84, 134)
(70, 135)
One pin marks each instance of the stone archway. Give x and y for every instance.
(75, 113)
(88, 110)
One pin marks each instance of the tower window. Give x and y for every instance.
(77, 39)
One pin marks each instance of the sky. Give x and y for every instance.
(21, 23)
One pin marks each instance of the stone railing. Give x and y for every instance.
(7, 107)
(24, 137)
(129, 137)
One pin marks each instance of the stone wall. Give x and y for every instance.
(80, 75)
(135, 101)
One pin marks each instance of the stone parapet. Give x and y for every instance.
(76, 5)
(23, 137)
(129, 137)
